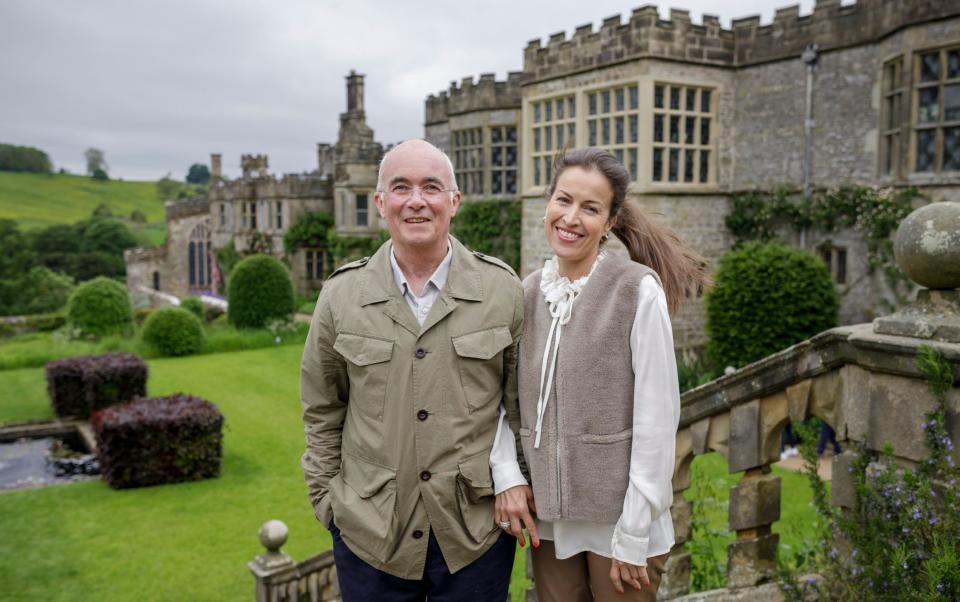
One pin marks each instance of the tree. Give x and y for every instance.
(107, 236)
(24, 158)
(198, 174)
(167, 188)
(95, 161)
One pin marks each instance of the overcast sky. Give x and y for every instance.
(160, 85)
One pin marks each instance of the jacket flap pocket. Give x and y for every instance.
(361, 350)
(623, 435)
(364, 477)
(475, 470)
(483, 344)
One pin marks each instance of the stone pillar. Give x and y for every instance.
(215, 167)
(354, 92)
(266, 567)
(754, 507)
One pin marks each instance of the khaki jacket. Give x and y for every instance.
(400, 418)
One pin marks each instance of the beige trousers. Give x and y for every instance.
(586, 577)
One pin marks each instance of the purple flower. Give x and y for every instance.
(906, 530)
(916, 513)
(932, 521)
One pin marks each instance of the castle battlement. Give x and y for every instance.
(644, 35)
(485, 94)
(186, 207)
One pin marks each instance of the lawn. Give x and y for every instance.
(85, 541)
(37, 348)
(38, 200)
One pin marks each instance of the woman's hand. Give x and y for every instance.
(632, 574)
(516, 506)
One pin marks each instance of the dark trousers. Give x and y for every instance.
(486, 579)
(827, 435)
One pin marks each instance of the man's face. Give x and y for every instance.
(416, 201)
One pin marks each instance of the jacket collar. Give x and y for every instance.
(463, 281)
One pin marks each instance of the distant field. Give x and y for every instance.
(37, 200)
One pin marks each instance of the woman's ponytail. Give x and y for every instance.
(682, 271)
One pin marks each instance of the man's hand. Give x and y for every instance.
(632, 574)
(516, 506)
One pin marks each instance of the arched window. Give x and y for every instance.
(199, 254)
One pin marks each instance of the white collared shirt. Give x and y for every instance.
(420, 305)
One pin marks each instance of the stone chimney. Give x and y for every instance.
(215, 166)
(354, 92)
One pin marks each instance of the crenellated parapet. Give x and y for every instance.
(187, 208)
(485, 94)
(288, 186)
(644, 35)
(831, 25)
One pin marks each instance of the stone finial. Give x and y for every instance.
(927, 246)
(273, 534)
(927, 249)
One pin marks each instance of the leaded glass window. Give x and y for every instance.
(892, 111)
(682, 134)
(553, 131)
(468, 160)
(503, 158)
(937, 122)
(613, 122)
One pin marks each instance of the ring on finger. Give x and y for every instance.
(504, 524)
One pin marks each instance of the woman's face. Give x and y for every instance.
(578, 215)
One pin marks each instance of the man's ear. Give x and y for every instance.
(378, 201)
(455, 203)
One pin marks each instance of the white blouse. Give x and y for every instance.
(645, 528)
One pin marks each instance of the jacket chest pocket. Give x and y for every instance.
(368, 368)
(480, 359)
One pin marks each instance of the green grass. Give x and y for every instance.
(38, 200)
(38, 348)
(85, 541)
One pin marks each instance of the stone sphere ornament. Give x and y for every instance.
(273, 534)
(927, 246)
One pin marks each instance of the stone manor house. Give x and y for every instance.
(865, 93)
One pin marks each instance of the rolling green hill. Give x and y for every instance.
(38, 200)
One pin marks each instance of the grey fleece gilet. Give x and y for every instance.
(581, 469)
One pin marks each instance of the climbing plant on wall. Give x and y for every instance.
(874, 213)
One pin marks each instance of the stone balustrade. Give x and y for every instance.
(861, 379)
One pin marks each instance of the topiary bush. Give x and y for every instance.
(160, 440)
(100, 307)
(259, 291)
(194, 305)
(173, 331)
(79, 385)
(767, 297)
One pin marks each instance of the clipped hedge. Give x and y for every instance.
(81, 385)
(491, 227)
(765, 298)
(194, 305)
(173, 331)
(260, 290)
(159, 440)
(100, 307)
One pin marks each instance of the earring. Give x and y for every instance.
(604, 239)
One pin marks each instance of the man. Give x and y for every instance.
(410, 354)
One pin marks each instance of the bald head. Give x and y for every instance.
(415, 149)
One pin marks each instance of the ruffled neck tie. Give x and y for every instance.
(559, 293)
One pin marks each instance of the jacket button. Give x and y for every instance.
(425, 475)
(420, 353)
(422, 415)
(417, 534)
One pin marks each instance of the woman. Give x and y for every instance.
(599, 398)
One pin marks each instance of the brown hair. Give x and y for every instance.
(682, 270)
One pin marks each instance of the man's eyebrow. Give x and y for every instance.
(398, 180)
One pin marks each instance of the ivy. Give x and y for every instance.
(491, 227)
(874, 213)
(308, 231)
